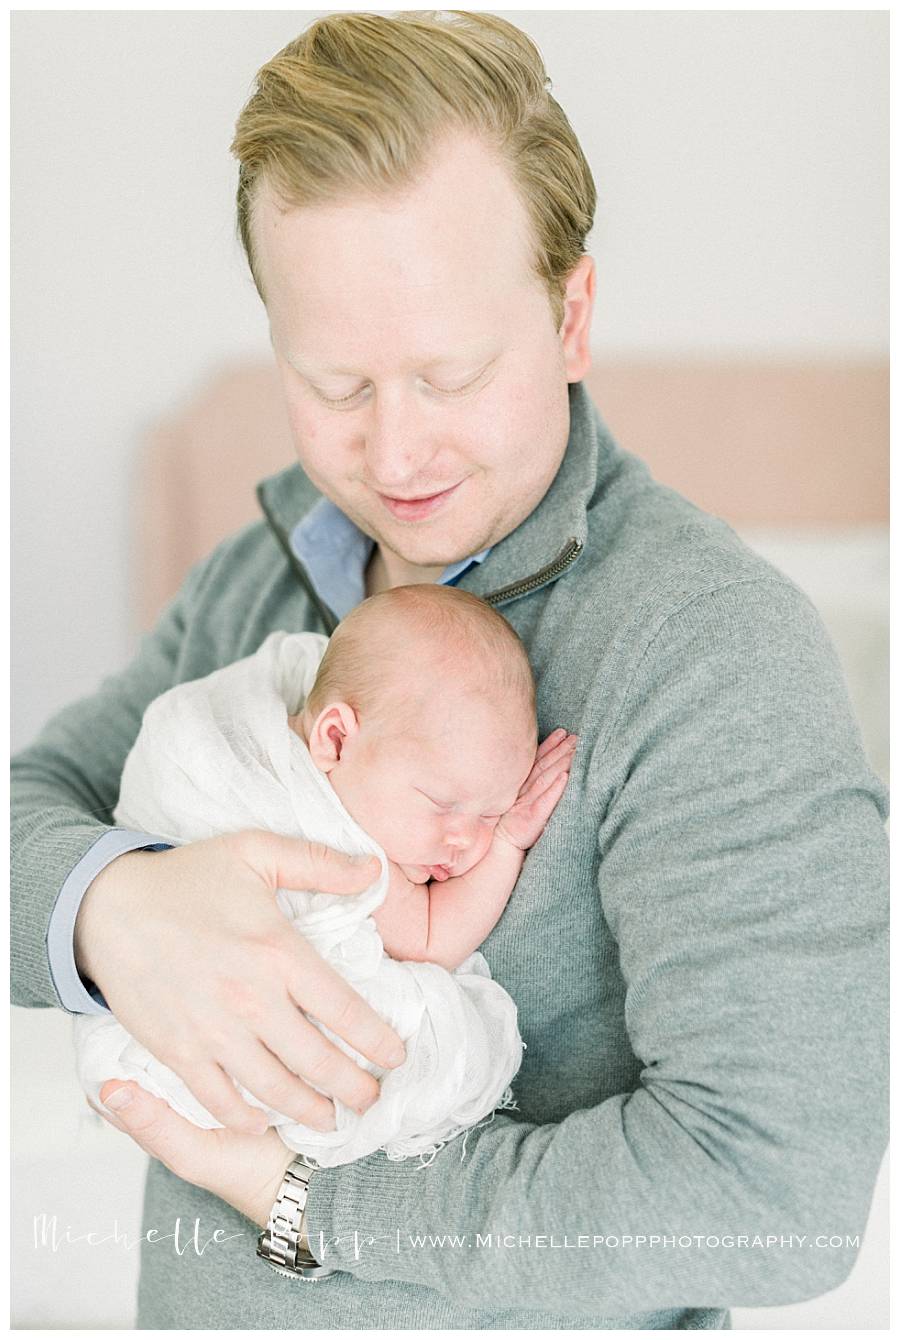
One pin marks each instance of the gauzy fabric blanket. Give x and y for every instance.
(216, 756)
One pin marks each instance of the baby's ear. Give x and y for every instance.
(333, 727)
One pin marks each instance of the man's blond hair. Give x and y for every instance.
(356, 103)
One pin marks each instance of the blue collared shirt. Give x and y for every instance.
(335, 553)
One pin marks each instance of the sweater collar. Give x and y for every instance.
(541, 547)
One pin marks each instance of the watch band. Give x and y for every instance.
(283, 1243)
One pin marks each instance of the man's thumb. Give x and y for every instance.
(139, 1112)
(116, 1099)
(312, 865)
(153, 1125)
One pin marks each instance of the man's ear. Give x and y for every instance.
(333, 727)
(575, 332)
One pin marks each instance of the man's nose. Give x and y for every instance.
(398, 444)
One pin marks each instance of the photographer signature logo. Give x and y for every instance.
(49, 1235)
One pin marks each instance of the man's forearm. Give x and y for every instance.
(617, 1209)
(46, 845)
(64, 788)
(60, 838)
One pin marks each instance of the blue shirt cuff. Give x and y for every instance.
(77, 995)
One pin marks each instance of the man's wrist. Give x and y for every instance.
(262, 1204)
(77, 993)
(93, 911)
(284, 1241)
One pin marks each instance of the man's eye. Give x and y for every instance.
(460, 390)
(456, 390)
(338, 401)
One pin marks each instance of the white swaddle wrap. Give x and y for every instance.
(216, 756)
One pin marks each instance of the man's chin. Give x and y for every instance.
(435, 542)
(429, 551)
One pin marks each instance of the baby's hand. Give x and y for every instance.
(525, 822)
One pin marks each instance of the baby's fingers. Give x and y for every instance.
(544, 803)
(540, 782)
(559, 753)
(554, 738)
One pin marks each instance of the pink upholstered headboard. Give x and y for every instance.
(772, 444)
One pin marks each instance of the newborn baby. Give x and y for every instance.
(422, 717)
(411, 735)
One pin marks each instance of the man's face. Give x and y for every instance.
(426, 385)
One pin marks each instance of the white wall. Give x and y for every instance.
(741, 161)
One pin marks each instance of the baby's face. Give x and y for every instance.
(432, 791)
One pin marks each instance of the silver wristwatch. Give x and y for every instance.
(283, 1243)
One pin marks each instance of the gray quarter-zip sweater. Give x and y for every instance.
(697, 944)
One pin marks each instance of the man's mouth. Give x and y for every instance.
(416, 509)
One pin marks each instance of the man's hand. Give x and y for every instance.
(246, 1171)
(525, 822)
(198, 963)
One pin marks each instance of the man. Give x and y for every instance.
(696, 944)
